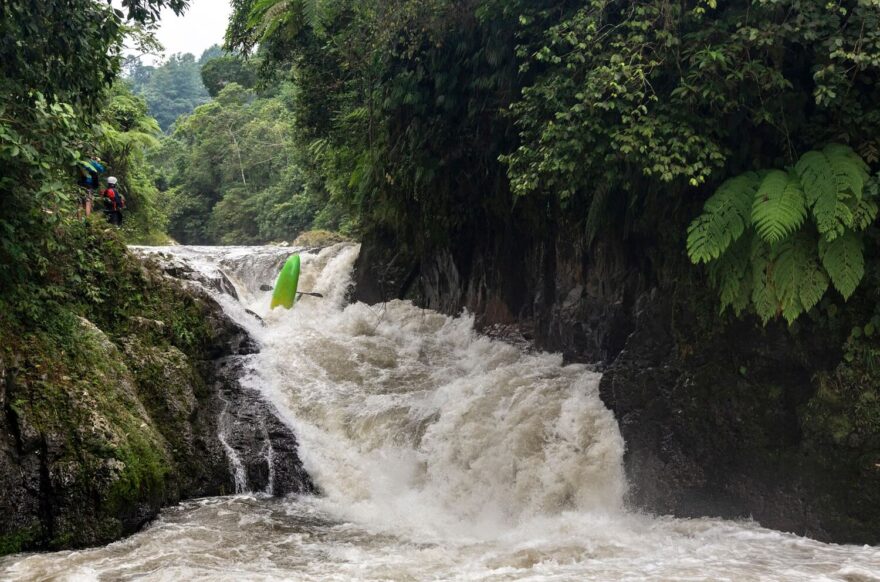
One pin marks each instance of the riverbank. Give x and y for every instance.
(113, 388)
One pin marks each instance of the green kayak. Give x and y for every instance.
(285, 287)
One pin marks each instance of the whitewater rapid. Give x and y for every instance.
(439, 455)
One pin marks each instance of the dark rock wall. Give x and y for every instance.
(716, 412)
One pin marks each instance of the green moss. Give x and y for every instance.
(146, 467)
(74, 386)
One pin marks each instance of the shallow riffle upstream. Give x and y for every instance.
(439, 454)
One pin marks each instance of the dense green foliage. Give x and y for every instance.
(429, 116)
(235, 175)
(125, 134)
(220, 71)
(754, 227)
(58, 61)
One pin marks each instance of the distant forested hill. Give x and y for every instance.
(172, 88)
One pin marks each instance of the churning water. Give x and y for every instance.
(440, 455)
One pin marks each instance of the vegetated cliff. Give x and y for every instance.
(722, 417)
(112, 405)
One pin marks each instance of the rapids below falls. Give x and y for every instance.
(440, 454)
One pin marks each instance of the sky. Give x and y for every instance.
(203, 25)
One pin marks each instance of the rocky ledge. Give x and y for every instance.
(102, 428)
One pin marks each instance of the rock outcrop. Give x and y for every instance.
(101, 429)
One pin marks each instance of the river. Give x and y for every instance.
(439, 454)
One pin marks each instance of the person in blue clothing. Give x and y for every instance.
(89, 183)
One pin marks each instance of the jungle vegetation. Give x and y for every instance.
(171, 88)
(58, 107)
(432, 116)
(234, 172)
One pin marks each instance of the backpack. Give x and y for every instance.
(111, 197)
(88, 179)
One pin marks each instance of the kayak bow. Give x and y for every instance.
(285, 287)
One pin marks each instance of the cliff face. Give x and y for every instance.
(721, 417)
(102, 428)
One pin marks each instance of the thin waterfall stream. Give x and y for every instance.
(439, 454)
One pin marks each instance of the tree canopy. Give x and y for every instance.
(171, 89)
(236, 174)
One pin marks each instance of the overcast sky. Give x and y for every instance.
(203, 25)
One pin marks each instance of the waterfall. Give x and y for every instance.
(408, 417)
(438, 453)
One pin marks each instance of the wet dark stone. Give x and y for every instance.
(266, 447)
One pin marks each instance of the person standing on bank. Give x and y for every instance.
(114, 202)
(89, 184)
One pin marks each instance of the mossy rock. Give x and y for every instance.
(319, 238)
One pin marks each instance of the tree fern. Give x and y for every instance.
(779, 208)
(786, 265)
(724, 219)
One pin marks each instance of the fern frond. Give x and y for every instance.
(830, 178)
(836, 149)
(732, 276)
(814, 283)
(844, 262)
(779, 208)
(848, 170)
(798, 278)
(725, 217)
(864, 213)
(316, 13)
(817, 177)
(764, 296)
(264, 11)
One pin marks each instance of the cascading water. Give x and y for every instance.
(439, 454)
